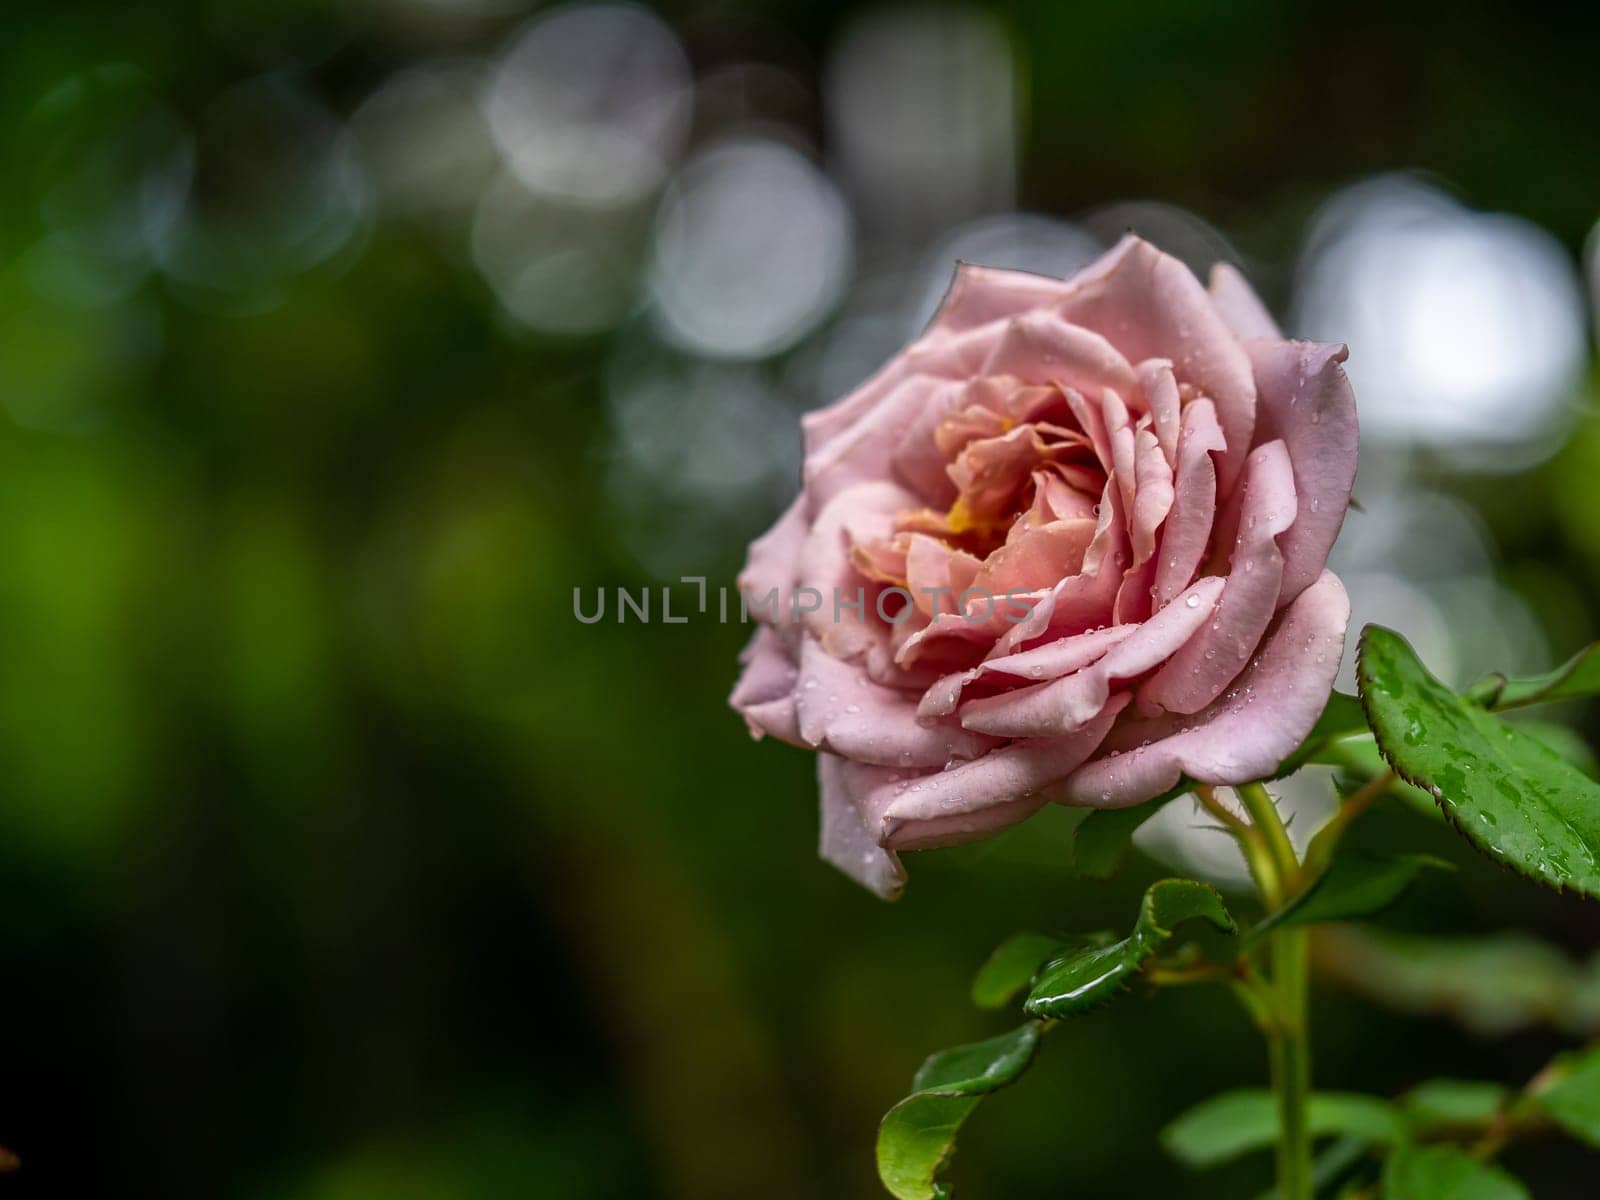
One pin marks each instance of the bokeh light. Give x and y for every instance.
(557, 268)
(1466, 329)
(753, 247)
(424, 141)
(921, 103)
(591, 103)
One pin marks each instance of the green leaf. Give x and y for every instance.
(1012, 967)
(1574, 679)
(1354, 885)
(1511, 796)
(1082, 979)
(1100, 842)
(1222, 1128)
(1446, 1173)
(1491, 985)
(979, 1067)
(916, 1139)
(1453, 1103)
(917, 1136)
(1341, 718)
(1573, 1100)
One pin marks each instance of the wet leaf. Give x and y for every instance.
(1082, 979)
(1574, 679)
(1354, 885)
(1222, 1128)
(1437, 1172)
(917, 1136)
(1510, 795)
(1012, 967)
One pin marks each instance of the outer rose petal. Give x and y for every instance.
(860, 514)
(1149, 305)
(865, 452)
(842, 711)
(1241, 737)
(1306, 400)
(979, 295)
(773, 563)
(998, 778)
(844, 840)
(935, 356)
(962, 827)
(1039, 347)
(764, 695)
(1238, 305)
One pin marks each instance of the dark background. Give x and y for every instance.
(337, 860)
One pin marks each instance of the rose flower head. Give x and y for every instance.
(1070, 545)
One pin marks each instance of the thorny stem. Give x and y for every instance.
(1256, 852)
(1288, 1035)
(1278, 1002)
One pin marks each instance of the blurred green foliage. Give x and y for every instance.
(337, 861)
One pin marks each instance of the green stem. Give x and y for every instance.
(1288, 1035)
(1264, 816)
(1291, 1061)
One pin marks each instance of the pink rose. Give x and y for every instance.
(1069, 545)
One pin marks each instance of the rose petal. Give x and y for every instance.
(865, 452)
(773, 562)
(764, 695)
(842, 711)
(1161, 394)
(1195, 675)
(1306, 400)
(1037, 558)
(1149, 305)
(933, 358)
(1152, 493)
(1086, 600)
(1238, 305)
(999, 777)
(1049, 661)
(980, 295)
(1121, 434)
(1187, 531)
(827, 576)
(937, 574)
(1236, 739)
(1062, 705)
(844, 840)
(1040, 347)
(953, 830)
